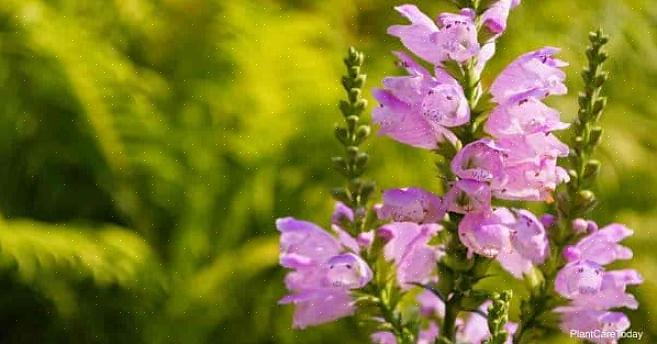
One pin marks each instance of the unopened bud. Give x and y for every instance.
(342, 195)
(548, 220)
(591, 169)
(341, 134)
(579, 225)
(595, 136)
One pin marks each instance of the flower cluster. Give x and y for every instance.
(519, 159)
(591, 289)
(519, 162)
(436, 248)
(325, 268)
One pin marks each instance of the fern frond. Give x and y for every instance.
(110, 255)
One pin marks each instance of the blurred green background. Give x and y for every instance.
(146, 147)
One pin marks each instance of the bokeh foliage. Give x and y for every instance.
(146, 147)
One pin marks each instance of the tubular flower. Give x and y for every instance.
(592, 290)
(323, 273)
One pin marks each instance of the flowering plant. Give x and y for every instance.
(410, 266)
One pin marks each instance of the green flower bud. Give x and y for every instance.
(342, 135)
(591, 170)
(342, 195)
(595, 136)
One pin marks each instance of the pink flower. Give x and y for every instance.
(517, 239)
(486, 233)
(411, 204)
(520, 167)
(592, 291)
(531, 167)
(304, 244)
(467, 195)
(525, 116)
(455, 38)
(481, 160)
(495, 17)
(417, 109)
(323, 274)
(601, 247)
(579, 278)
(535, 74)
(318, 306)
(408, 247)
(343, 215)
(588, 320)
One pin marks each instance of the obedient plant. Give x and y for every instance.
(409, 267)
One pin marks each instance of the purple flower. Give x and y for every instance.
(467, 195)
(604, 291)
(531, 167)
(528, 236)
(534, 74)
(586, 320)
(486, 233)
(304, 244)
(592, 291)
(455, 39)
(520, 167)
(322, 275)
(318, 306)
(579, 278)
(408, 247)
(529, 244)
(548, 220)
(343, 215)
(481, 160)
(416, 109)
(526, 116)
(486, 52)
(584, 279)
(521, 126)
(412, 205)
(601, 247)
(517, 239)
(579, 225)
(495, 17)
(347, 271)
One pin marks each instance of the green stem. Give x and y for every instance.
(452, 309)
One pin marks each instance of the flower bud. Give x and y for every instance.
(548, 220)
(591, 169)
(579, 225)
(595, 135)
(571, 253)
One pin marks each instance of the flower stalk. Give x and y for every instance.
(494, 146)
(351, 135)
(587, 134)
(459, 273)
